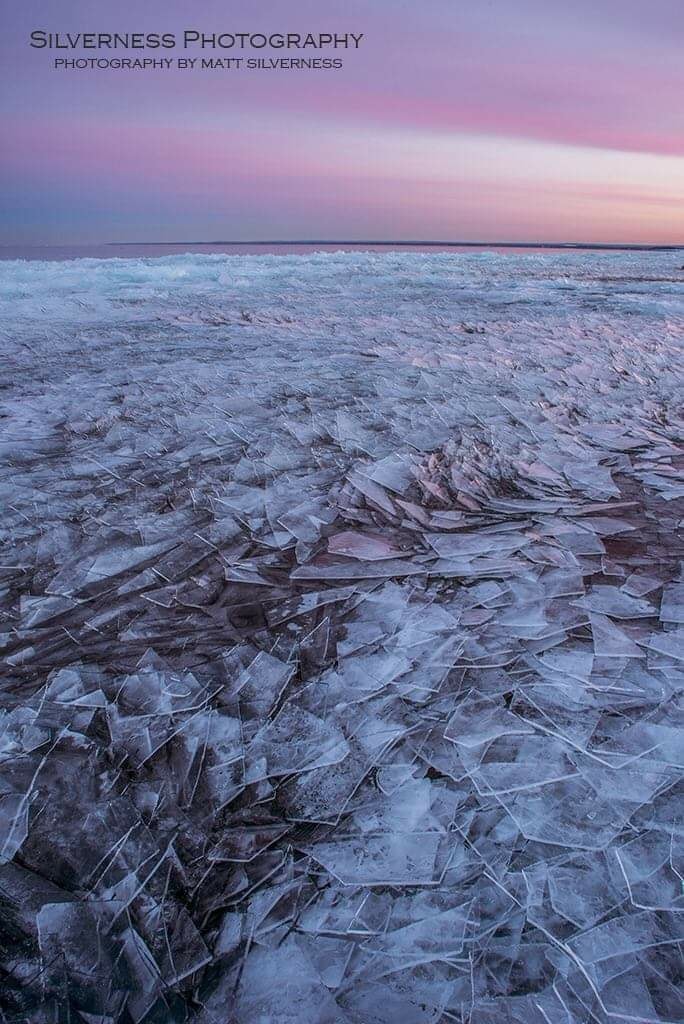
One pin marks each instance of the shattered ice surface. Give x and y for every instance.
(342, 640)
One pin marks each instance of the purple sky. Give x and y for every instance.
(493, 120)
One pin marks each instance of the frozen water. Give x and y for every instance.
(342, 639)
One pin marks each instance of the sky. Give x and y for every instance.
(476, 120)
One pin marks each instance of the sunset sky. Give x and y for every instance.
(492, 120)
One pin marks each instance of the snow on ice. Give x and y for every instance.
(342, 622)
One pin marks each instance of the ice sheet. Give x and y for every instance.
(342, 639)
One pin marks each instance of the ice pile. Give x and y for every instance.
(342, 654)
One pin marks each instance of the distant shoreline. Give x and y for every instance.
(423, 244)
(301, 247)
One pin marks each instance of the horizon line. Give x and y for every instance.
(408, 243)
(431, 243)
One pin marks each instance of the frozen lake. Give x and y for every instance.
(342, 620)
